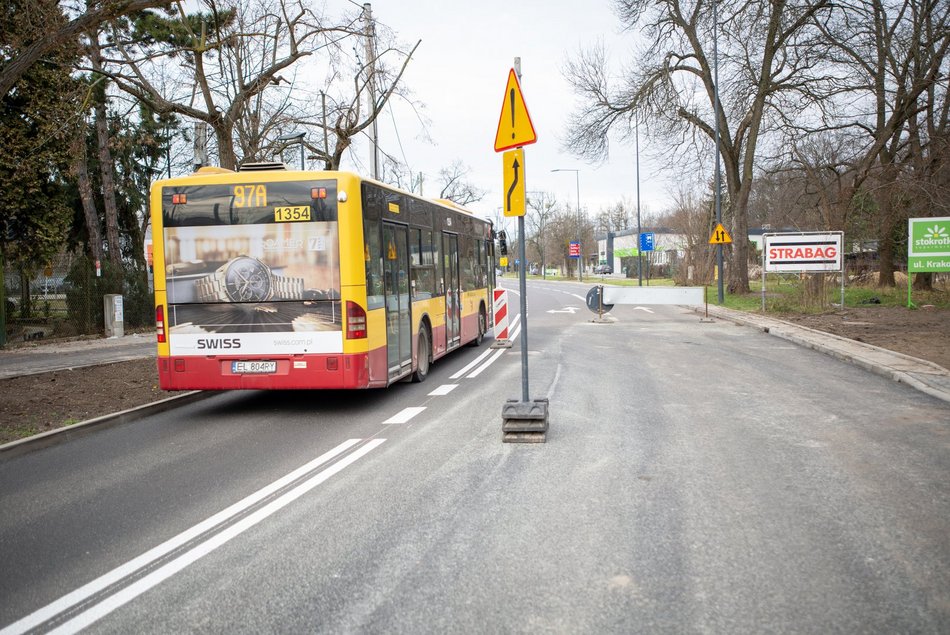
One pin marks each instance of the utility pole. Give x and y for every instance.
(716, 128)
(326, 143)
(371, 81)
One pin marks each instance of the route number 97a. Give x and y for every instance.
(250, 195)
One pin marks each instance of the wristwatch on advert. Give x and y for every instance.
(246, 279)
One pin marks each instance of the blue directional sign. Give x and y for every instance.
(647, 240)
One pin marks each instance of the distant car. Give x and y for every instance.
(535, 271)
(605, 269)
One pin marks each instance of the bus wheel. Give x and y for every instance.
(423, 351)
(482, 329)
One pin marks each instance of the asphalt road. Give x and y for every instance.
(696, 477)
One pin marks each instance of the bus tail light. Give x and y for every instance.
(355, 321)
(160, 324)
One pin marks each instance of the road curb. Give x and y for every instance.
(65, 433)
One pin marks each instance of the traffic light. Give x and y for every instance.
(502, 244)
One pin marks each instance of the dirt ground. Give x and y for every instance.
(37, 403)
(922, 333)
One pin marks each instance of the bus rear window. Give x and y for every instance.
(249, 203)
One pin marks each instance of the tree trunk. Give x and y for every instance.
(223, 133)
(739, 270)
(924, 281)
(886, 197)
(885, 252)
(110, 208)
(85, 194)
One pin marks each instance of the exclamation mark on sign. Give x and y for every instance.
(511, 97)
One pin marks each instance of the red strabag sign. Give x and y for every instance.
(803, 252)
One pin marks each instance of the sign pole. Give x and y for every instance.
(522, 286)
(523, 421)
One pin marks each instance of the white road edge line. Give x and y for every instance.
(108, 579)
(404, 415)
(161, 574)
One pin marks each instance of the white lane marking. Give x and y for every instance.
(108, 579)
(513, 330)
(129, 593)
(405, 415)
(491, 361)
(444, 389)
(568, 309)
(584, 300)
(642, 308)
(471, 365)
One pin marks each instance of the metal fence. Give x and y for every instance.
(65, 299)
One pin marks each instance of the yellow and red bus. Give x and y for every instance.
(267, 278)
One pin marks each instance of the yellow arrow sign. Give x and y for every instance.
(513, 179)
(719, 235)
(514, 125)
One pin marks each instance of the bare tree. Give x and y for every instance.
(542, 207)
(235, 51)
(456, 187)
(767, 59)
(690, 217)
(894, 60)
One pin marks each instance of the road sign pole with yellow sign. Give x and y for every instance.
(523, 421)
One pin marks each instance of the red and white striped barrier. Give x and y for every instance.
(500, 312)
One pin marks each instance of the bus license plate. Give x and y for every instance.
(253, 368)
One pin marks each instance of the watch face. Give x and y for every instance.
(247, 280)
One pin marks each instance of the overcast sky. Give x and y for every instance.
(459, 73)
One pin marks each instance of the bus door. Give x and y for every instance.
(396, 291)
(453, 296)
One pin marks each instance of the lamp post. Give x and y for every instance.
(636, 136)
(580, 259)
(294, 137)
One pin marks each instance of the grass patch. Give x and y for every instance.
(791, 294)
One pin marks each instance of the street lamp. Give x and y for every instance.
(294, 136)
(636, 136)
(580, 260)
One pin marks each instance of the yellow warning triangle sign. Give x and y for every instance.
(719, 235)
(514, 125)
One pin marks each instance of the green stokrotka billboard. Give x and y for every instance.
(928, 245)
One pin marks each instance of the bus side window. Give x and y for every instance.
(422, 264)
(374, 265)
(467, 262)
